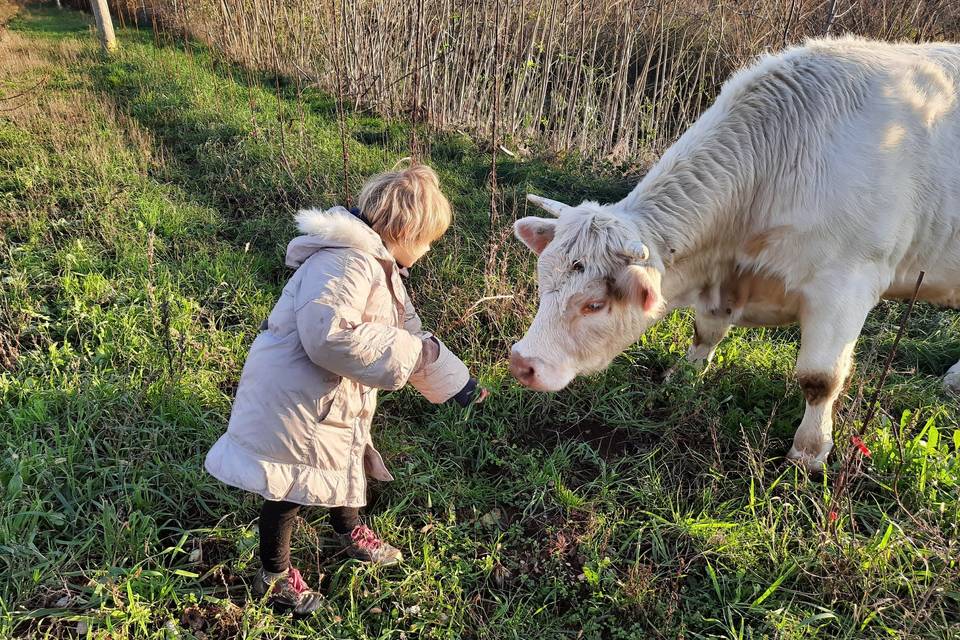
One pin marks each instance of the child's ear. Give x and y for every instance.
(640, 285)
(535, 232)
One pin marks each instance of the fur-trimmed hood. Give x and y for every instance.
(335, 227)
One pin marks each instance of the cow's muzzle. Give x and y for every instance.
(525, 369)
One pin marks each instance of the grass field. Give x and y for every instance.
(145, 201)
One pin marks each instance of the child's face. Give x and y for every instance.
(407, 254)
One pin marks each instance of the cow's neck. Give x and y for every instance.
(695, 206)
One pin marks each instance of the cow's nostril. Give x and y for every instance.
(522, 369)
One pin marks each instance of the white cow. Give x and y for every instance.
(822, 180)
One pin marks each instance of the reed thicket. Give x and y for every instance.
(615, 79)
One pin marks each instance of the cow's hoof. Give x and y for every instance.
(812, 462)
(951, 381)
(700, 356)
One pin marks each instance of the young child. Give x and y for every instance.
(344, 327)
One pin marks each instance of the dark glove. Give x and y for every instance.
(465, 396)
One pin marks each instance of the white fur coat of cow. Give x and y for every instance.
(822, 179)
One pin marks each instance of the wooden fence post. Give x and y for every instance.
(104, 24)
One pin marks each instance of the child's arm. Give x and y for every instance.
(441, 376)
(329, 307)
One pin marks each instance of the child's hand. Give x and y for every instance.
(472, 393)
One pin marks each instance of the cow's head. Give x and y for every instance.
(599, 291)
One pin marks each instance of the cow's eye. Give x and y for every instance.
(577, 266)
(594, 307)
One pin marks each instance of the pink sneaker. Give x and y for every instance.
(287, 590)
(365, 545)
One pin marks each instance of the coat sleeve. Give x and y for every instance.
(329, 310)
(412, 322)
(443, 379)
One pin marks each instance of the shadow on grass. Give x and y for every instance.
(245, 114)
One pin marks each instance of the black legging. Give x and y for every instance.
(276, 527)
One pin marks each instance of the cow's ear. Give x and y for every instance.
(640, 285)
(535, 232)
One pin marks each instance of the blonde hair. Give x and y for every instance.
(406, 205)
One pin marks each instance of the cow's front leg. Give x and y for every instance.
(707, 334)
(708, 331)
(829, 328)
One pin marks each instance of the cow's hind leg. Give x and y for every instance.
(829, 331)
(707, 334)
(951, 381)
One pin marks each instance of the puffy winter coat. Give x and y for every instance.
(342, 329)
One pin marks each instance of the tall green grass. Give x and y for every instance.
(145, 201)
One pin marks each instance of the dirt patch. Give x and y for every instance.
(213, 559)
(609, 442)
(46, 628)
(549, 551)
(9, 351)
(214, 621)
(501, 516)
(214, 551)
(491, 469)
(551, 546)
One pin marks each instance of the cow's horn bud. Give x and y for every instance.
(637, 252)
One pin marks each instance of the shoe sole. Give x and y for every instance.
(391, 563)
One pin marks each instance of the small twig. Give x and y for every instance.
(789, 23)
(486, 299)
(362, 94)
(853, 453)
(831, 17)
(872, 408)
(340, 69)
(25, 92)
(40, 82)
(469, 312)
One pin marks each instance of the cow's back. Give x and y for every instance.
(909, 157)
(869, 168)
